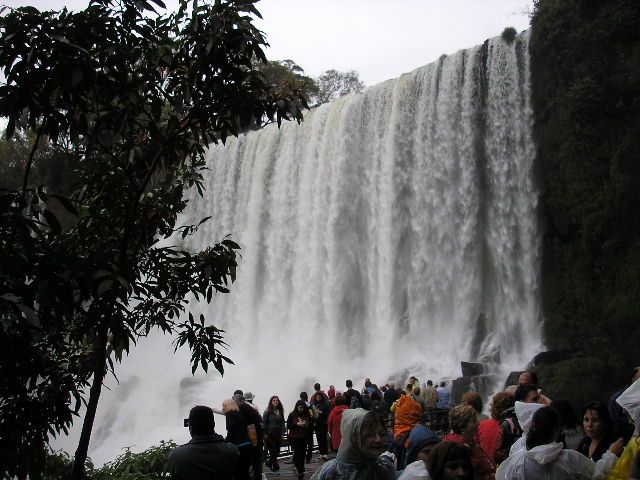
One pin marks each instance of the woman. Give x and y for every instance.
(299, 425)
(490, 434)
(273, 420)
(421, 442)
(359, 456)
(450, 461)
(545, 459)
(464, 423)
(597, 431)
(323, 407)
(335, 420)
(237, 434)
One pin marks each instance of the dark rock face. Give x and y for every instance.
(471, 369)
(477, 383)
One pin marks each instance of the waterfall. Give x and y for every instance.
(374, 235)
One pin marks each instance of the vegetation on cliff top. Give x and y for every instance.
(586, 95)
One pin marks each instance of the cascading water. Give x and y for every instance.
(373, 237)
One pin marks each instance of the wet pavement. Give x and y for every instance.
(288, 471)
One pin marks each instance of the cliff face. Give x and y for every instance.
(586, 97)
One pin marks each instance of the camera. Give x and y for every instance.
(186, 422)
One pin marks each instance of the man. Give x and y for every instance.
(528, 393)
(413, 380)
(444, 394)
(314, 415)
(431, 396)
(252, 417)
(207, 455)
(350, 394)
(391, 395)
(531, 378)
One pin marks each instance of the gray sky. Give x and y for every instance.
(381, 39)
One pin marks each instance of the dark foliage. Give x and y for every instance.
(131, 99)
(586, 83)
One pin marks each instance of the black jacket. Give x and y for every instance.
(203, 458)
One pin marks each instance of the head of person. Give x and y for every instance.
(304, 396)
(391, 384)
(596, 420)
(450, 461)
(230, 405)
(500, 402)
(527, 393)
(545, 427)
(464, 420)
(238, 392)
(474, 399)
(316, 387)
(429, 383)
(318, 397)
(363, 435)
(528, 378)
(568, 416)
(238, 398)
(349, 384)
(275, 405)
(248, 397)
(442, 384)
(416, 391)
(421, 441)
(413, 379)
(340, 399)
(201, 421)
(409, 388)
(301, 408)
(367, 383)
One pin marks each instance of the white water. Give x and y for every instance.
(373, 236)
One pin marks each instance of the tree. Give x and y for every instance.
(133, 97)
(288, 75)
(333, 84)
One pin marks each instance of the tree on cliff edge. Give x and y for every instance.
(135, 97)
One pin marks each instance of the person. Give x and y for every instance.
(571, 428)
(511, 430)
(475, 400)
(444, 395)
(620, 424)
(254, 429)
(490, 434)
(378, 406)
(527, 393)
(431, 395)
(274, 423)
(531, 378)
(299, 424)
(598, 434)
(464, 424)
(414, 382)
(237, 434)
(207, 455)
(314, 416)
(331, 394)
(450, 461)
(408, 414)
(318, 389)
(391, 395)
(360, 453)
(354, 399)
(421, 441)
(629, 400)
(524, 414)
(323, 409)
(335, 421)
(248, 398)
(418, 398)
(544, 458)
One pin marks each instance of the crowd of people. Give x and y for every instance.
(387, 433)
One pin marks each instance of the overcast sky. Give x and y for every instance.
(381, 39)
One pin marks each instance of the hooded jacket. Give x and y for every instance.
(630, 401)
(335, 422)
(408, 415)
(419, 438)
(350, 463)
(524, 414)
(552, 462)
